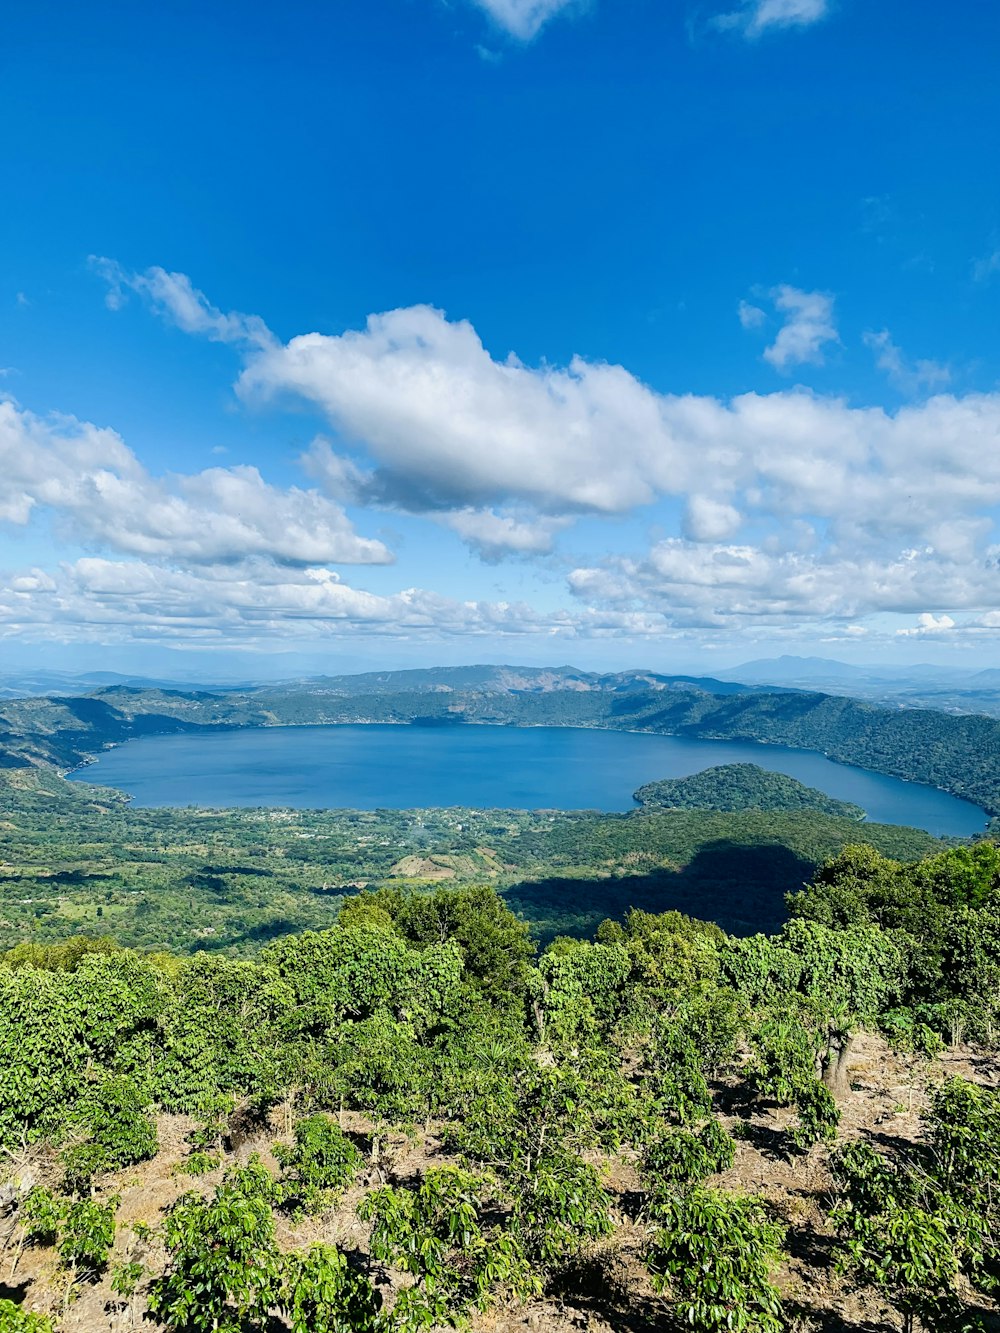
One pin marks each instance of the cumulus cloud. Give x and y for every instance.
(96, 487)
(452, 427)
(448, 428)
(709, 520)
(844, 511)
(523, 19)
(103, 598)
(909, 377)
(757, 16)
(751, 316)
(721, 585)
(928, 623)
(494, 535)
(808, 327)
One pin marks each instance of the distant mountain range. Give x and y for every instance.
(484, 679)
(920, 685)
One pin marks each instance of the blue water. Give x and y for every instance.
(401, 767)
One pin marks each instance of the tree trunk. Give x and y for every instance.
(835, 1064)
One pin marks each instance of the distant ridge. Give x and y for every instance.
(504, 679)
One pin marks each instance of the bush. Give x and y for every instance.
(224, 1269)
(684, 1156)
(436, 1234)
(15, 1319)
(558, 1206)
(120, 1132)
(713, 1255)
(322, 1160)
(320, 1293)
(82, 1231)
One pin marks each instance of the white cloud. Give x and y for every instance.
(983, 269)
(107, 600)
(723, 586)
(844, 511)
(910, 377)
(751, 316)
(709, 520)
(173, 296)
(928, 623)
(756, 16)
(523, 19)
(807, 329)
(494, 535)
(451, 427)
(97, 488)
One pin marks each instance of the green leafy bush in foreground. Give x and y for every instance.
(714, 1254)
(15, 1319)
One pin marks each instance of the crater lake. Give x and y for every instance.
(388, 766)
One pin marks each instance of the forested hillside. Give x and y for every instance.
(76, 857)
(741, 787)
(412, 1120)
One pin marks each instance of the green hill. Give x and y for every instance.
(732, 787)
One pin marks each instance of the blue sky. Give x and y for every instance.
(630, 331)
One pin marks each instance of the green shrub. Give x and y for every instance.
(15, 1319)
(681, 1156)
(713, 1255)
(120, 1131)
(82, 1230)
(320, 1293)
(558, 1206)
(223, 1272)
(321, 1161)
(436, 1234)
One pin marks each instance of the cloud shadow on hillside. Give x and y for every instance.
(740, 886)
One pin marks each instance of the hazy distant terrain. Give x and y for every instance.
(950, 688)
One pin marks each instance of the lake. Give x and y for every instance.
(402, 767)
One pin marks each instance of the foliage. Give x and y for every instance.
(741, 787)
(674, 1078)
(115, 1116)
(436, 1234)
(82, 1230)
(713, 1254)
(557, 1208)
(896, 1235)
(15, 1319)
(224, 1269)
(910, 1225)
(425, 1007)
(321, 1293)
(321, 1161)
(682, 1156)
(784, 1068)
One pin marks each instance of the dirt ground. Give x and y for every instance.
(608, 1290)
